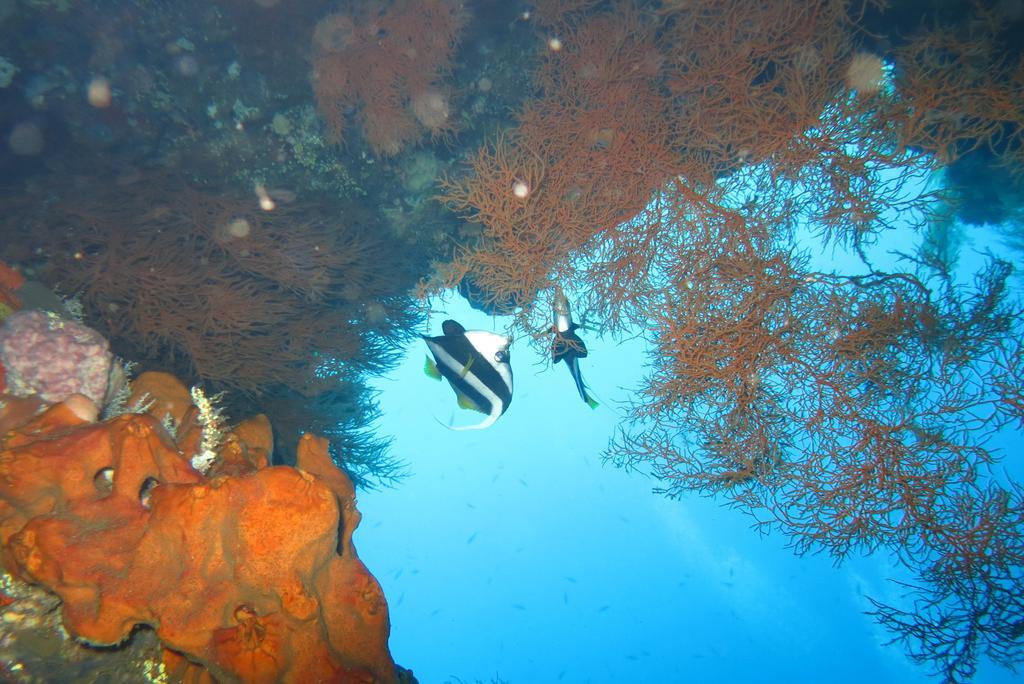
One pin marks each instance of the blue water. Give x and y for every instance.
(514, 553)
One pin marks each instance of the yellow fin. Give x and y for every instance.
(430, 369)
(465, 369)
(467, 403)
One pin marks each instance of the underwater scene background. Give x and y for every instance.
(776, 246)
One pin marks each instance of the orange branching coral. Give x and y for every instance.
(558, 13)
(386, 61)
(850, 412)
(633, 103)
(210, 286)
(585, 157)
(958, 93)
(749, 77)
(662, 177)
(253, 577)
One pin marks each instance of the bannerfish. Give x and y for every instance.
(477, 365)
(567, 345)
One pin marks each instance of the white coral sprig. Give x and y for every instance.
(212, 422)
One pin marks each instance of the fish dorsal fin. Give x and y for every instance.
(430, 369)
(467, 403)
(452, 328)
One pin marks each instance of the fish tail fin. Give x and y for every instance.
(482, 425)
(581, 387)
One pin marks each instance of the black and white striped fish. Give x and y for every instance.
(477, 365)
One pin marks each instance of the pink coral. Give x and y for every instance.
(54, 358)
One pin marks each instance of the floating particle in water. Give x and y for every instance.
(99, 93)
(26, 139)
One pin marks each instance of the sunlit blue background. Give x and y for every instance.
(514, 553)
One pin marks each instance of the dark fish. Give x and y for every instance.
(477, 365)
(567, 345)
